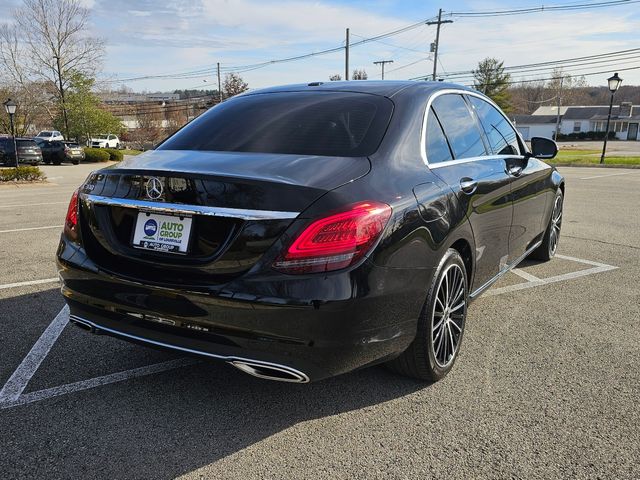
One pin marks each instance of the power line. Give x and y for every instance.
(569, 62)
(255, 66)
(513, 82)
(544, 8)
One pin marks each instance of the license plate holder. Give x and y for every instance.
(162, 233)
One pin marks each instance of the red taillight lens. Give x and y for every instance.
(71, 221)
(336, 241)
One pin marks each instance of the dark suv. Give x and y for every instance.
(57, 151)
(28, 151)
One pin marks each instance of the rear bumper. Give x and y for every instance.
(354, 318)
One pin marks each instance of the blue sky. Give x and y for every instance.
(154, 37)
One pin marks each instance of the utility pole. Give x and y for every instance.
(219, 85)
(555, 137)
(64, 107)
(381, 63)
(346, 57)
(434, 47)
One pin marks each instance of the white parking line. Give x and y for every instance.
(597, 268)
(608, 175)
(11, 394)
(97, 382)
(28, 283)
(30, 228)
(526, 275)
(20, 378)
(30, 204)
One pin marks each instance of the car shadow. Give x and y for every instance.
(174, 422)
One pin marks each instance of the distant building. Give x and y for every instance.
(625, 119)
(134, 98)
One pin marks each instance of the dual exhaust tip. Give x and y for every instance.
(264, 370)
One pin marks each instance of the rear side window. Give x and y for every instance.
(320, 123)
(436, 143)
(503, 139)
(459, 126)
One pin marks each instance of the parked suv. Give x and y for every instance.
(28, 151)
(50, 135)
(57, 152)
(105, 141)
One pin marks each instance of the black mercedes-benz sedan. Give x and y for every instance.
(305, 231)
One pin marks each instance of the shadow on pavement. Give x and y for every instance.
(171, 423)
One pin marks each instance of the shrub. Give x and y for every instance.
(21, 174)
(585, 136)
(115, 155)
(96, 155)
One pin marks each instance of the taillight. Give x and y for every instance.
(336, 241)
(71, 221)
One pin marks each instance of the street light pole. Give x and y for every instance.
(614, 83)
(10, 107)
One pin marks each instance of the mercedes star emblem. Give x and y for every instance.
(154, 188)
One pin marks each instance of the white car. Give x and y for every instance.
(50, 135)
(105, 141)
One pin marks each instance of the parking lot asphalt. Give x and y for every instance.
(546, 385)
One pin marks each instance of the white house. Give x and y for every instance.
(625, 119)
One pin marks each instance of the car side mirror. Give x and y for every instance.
(543, 148)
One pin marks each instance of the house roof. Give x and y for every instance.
(549, 110)
(533, 119)
(599, 113)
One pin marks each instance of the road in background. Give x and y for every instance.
(546, 386)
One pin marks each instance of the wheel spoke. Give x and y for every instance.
(453, 348)
(456, 325)
(457, 307)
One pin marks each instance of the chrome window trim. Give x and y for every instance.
(183, 209)
(423, 135)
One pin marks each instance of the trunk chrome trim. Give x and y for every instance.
(296, 375)
(183, 209)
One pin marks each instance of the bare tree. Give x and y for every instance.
(335, 78)
(48, 43)
(360, 74)
(234, 85)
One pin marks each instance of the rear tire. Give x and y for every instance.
(433, 352)
(75, 162)
(549, 246)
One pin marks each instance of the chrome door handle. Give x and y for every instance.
(515, 171)
(468, 185)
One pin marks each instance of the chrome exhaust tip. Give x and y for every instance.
(88, 327)
(270, 371)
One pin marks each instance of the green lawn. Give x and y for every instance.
(131, 152)
(586, 157)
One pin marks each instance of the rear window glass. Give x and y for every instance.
(26, 143)
(437, 146)
(319, 123)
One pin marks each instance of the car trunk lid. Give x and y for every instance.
(239, 205)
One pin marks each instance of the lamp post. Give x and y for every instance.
(10, 107)
(614, 84)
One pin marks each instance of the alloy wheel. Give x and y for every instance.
(447, 319)
(556, 224)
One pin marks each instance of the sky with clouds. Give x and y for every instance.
(146, 37)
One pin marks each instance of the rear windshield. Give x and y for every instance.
(44, 134)
(26, 143)
(304, 123)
